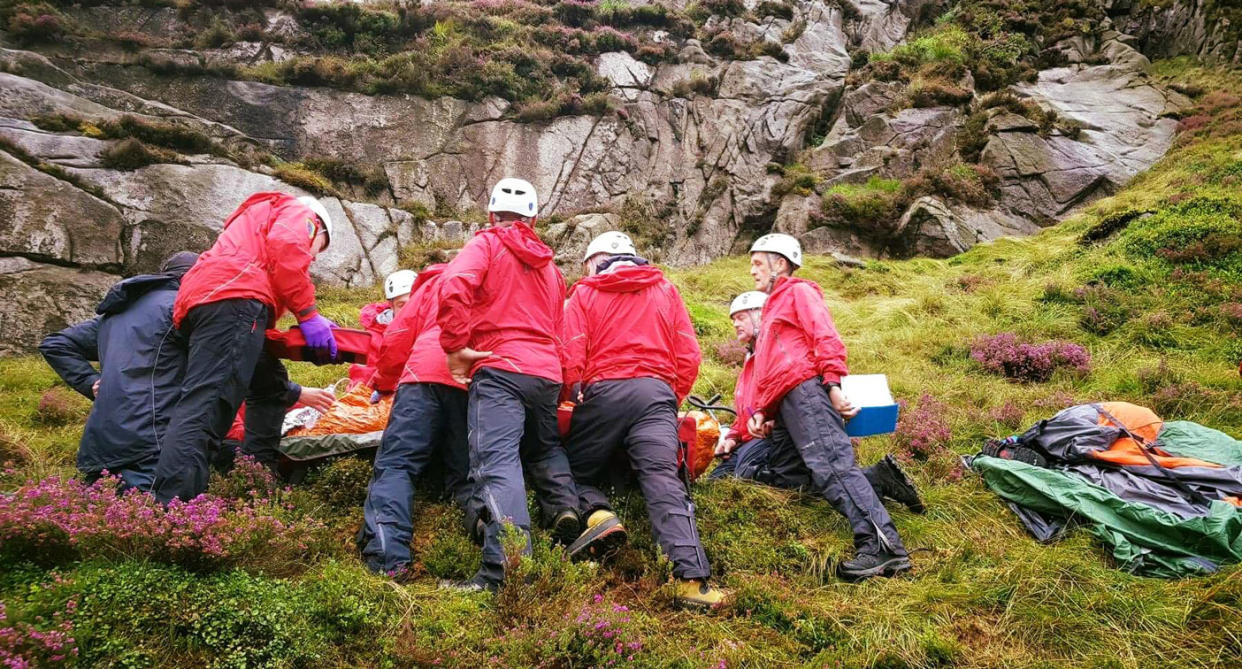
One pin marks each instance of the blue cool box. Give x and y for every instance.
(878, 412)
(873, 420)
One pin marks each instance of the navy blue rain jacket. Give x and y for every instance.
(142, 358)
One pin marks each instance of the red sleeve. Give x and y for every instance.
(742, 402)
(461, 281)
(288, 251)
(827, 349)
(398, 340)
(686, 352)
(574, 336)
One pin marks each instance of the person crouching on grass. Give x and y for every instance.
(799, 362)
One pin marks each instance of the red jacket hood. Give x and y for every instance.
(523, 243)
(627, 279)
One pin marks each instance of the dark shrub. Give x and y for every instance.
(36, 22)
(58, 407)
(132, 154)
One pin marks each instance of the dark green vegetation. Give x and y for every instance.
(535, 53)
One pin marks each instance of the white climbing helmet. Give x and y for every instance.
(399, 283)
(613, 243)
(751, 299)
(319, 210)
(779, 244)
(514, 195)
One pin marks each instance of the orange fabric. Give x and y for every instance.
(1236, 501)
(700, 432)
(352, 413)
(1144, 423)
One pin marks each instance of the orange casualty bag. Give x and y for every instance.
(352, 413)
(698, 433)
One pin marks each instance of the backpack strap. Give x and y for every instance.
(1192, 495)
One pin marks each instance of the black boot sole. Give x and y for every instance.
(890, 567)
(566, 528)
(599, 542)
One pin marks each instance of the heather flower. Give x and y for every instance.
(1006, 355)
(730, 352)
(67, 518)
(600, 634)
(923, 430)
(1009, 415)
(25, 645)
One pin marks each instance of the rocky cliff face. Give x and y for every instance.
(697, 144)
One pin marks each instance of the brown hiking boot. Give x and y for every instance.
(696, 593)
(604, 534)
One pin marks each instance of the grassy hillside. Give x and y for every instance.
(1149, 282)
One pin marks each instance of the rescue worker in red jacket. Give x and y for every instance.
(428, 420)
(631, 347)
(501, 307)
(256, 270)
(746, 457)
(375, 318)
(799, 362)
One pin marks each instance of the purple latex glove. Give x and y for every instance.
(318, 331)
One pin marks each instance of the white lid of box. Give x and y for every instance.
(867, 390)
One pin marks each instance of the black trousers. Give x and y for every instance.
(639, 416)
(225, 364)
(427, 419)
(512, 434)
(816, 438)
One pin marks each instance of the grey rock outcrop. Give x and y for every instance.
(1126, 126)
(690, 141)
(37, 299)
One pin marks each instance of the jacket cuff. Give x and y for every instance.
(832, 378)
(87, 386)
(307, 313)
(293, 392)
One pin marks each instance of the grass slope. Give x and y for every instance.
(1148, 280)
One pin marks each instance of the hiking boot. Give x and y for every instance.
(604, 534)
(696, 593)
(867, 565)
(1010, 449)
(475, 583)
(566, 527)
(895, 485)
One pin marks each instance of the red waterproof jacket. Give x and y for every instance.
(375, 318)
(503, 294)
(411, 350)
(630, 323)
(743, 402)
(798, 341)
(263, 253)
